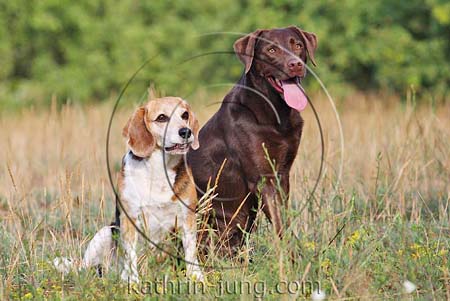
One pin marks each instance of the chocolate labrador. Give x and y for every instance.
(258, 118)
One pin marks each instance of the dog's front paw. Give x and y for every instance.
(63, 265)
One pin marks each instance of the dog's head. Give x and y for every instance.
(279, 55)
(167, 123)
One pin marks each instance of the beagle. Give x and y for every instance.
(155, 190)
(154, 185)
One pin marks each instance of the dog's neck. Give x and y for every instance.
(158, 155)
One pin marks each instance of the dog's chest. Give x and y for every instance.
(148, 191)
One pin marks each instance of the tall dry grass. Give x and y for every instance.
(54, 188)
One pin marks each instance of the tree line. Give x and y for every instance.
(85, 50)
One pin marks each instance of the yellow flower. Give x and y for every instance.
(325, 264)
(354, 237)
(443, 252)
(310, 245)
(419, 251)
(415, 246)
(28, 296)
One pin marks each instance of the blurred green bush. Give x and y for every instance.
(85, 50)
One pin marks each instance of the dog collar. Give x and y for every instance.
(134, 157)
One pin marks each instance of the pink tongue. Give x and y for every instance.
(294, 95)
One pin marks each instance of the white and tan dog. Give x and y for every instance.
(154, 182)
(154, 188)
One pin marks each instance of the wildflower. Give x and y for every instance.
(443, 252)
(354, 237)
(318, 295)
(419, 251)
(409, 287)
(310, 245)
(416, 246)
(325, 264)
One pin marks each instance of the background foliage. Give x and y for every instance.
(85, 50)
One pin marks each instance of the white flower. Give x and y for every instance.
(318, 295)
(409, 287)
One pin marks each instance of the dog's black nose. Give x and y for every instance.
(294, 64)
(185, 133)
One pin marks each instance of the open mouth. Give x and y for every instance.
(178, 147)
(291, 90)
(278, 84)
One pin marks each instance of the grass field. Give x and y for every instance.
(383, 221)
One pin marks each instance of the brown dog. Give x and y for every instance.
(262, 108)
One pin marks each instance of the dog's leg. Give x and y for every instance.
(271, 203)
(128, 239)
(189, 239)
(99, 253)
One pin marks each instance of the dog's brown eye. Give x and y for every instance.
(162, 118)
(298, 46)
(185, 116)
(271, 50)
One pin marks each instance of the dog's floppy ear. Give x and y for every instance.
(310, 40)
(195, 126)
(245, 48)
(139, 139)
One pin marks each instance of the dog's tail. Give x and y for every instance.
(115, 225)
(99, 253)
